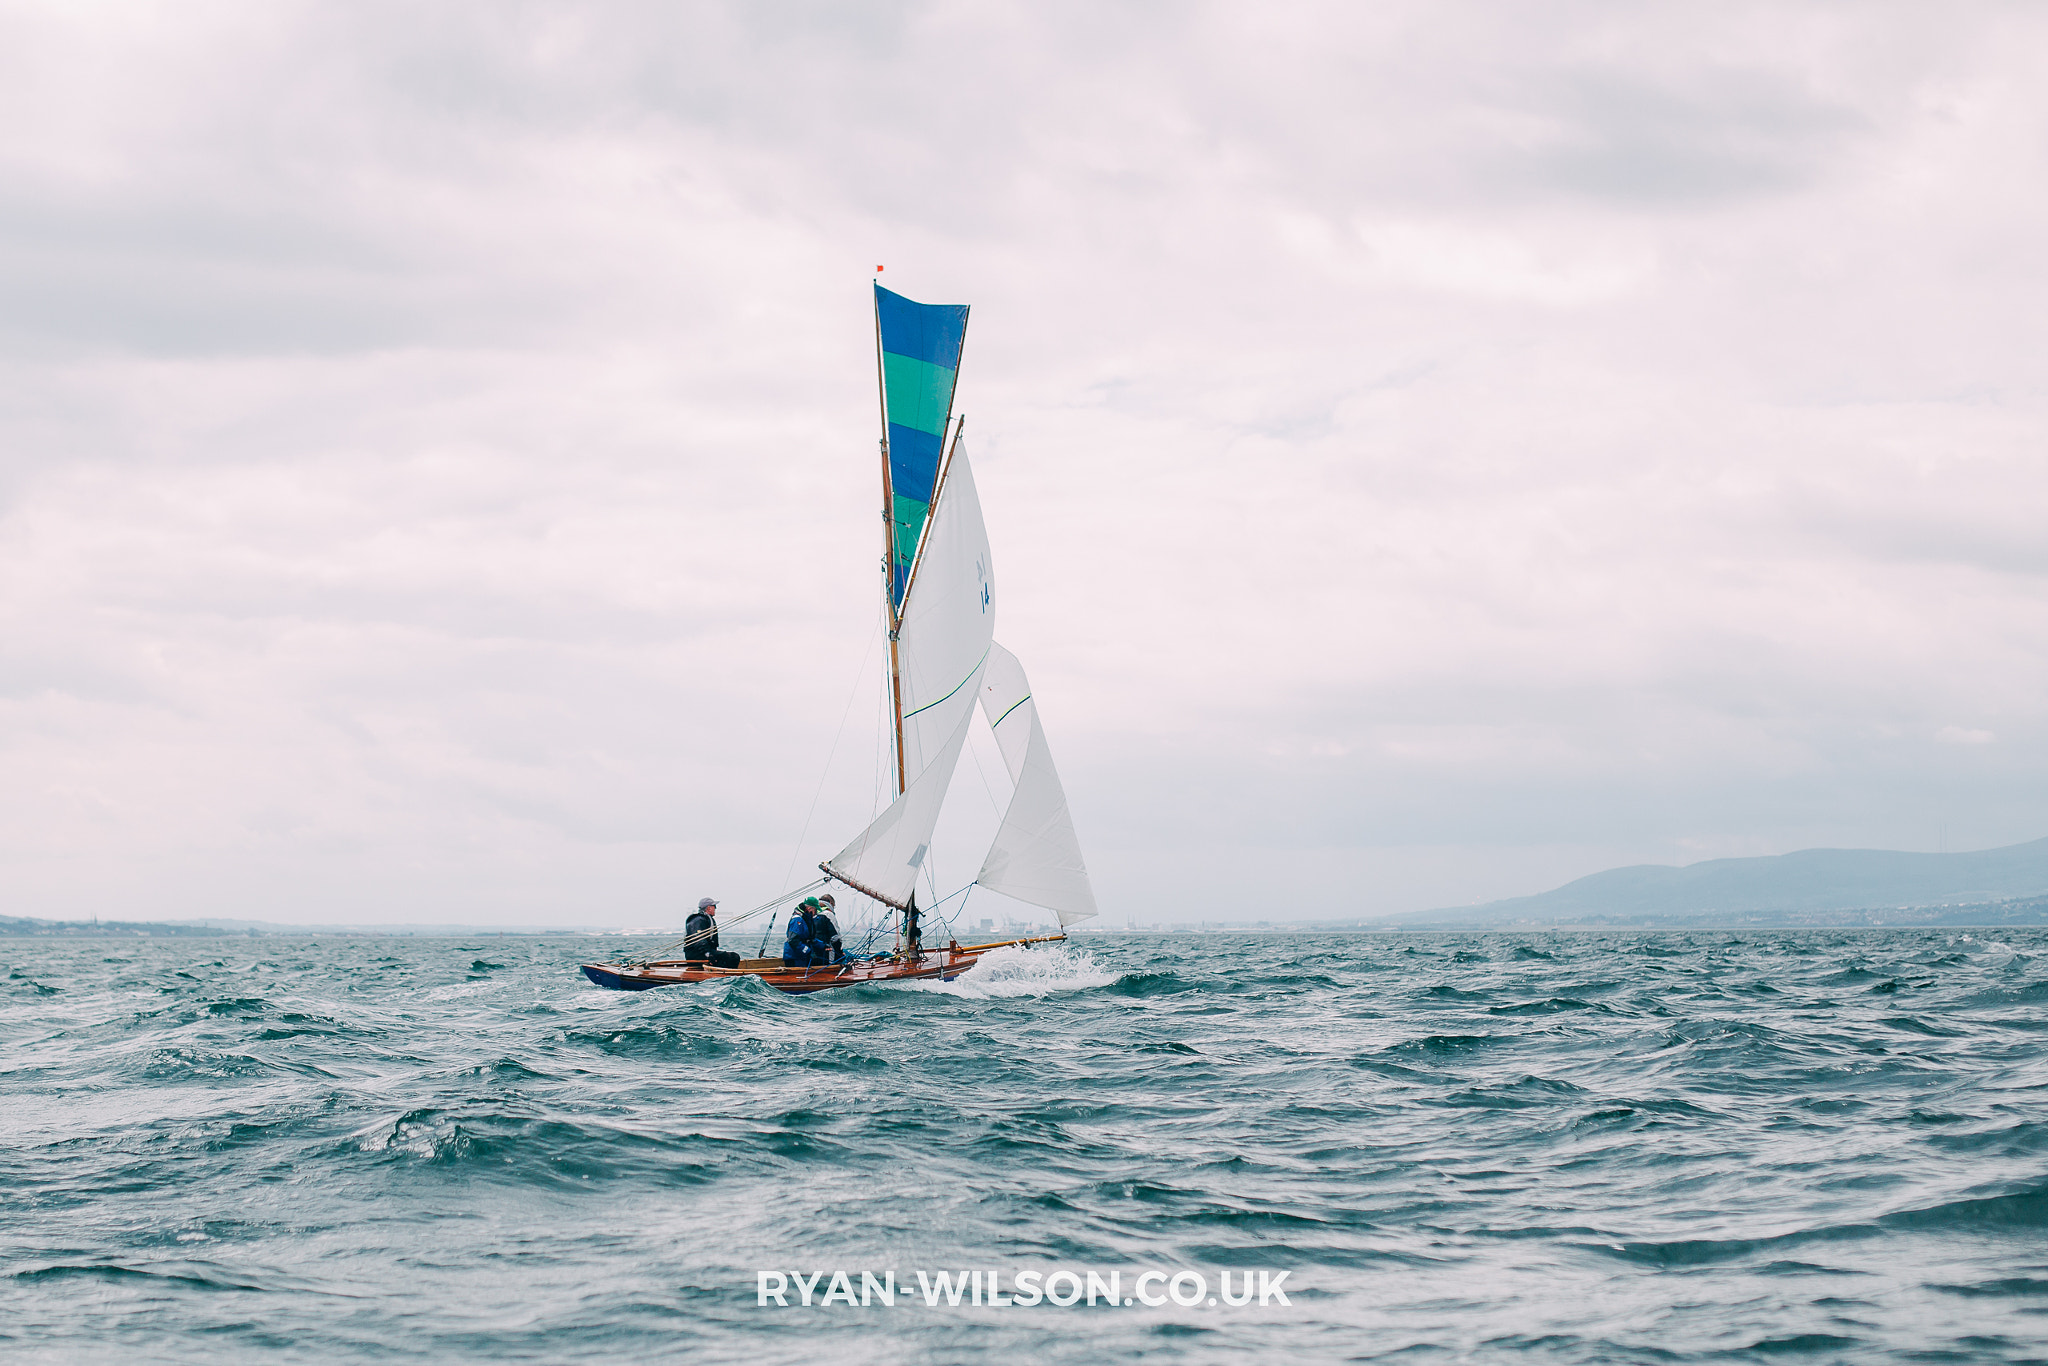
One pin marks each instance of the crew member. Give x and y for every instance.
(701, 932)
(796, 939)
(825, 944)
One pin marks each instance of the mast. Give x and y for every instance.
(917, 362)
(889, 612)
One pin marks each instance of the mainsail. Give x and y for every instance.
(1036, 856)
(943, 636)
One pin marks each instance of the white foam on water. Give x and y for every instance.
(1019, 971)
(1990, 945)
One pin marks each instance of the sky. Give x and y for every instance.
(1431, 451)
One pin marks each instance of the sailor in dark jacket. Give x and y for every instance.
(701, 932)
(825, 944)
(796, 940)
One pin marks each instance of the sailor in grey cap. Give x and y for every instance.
(701, 930)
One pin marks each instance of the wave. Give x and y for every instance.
(1912, 1026)
(651, 1039)
(1152, 984)
(186, 1273)
(2031, 993)
(1712, 1251)
(2028, 1286)
(1551, 1007)
(495, 1165)
(524, 1146)
(2022, 1140)
(1440, 1045)
(1019, 971)
(2021, 1211)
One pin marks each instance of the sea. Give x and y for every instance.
(1805, 1145)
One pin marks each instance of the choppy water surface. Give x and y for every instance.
(1570, 1147)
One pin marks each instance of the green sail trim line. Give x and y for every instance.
(956, 688)
(1006, 713)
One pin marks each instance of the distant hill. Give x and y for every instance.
(1811, 887)
(28, 927)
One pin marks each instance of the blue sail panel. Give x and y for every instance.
(920, 363)
(931, 333)
(913, 462)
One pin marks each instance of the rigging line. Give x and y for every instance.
(881, 751)
(769, 929)
(957, 891)
(932, 910)
(883, 706)
(739, 919)
(882, 742)
(882, 748)
(959, 912)
(837, 735)
(993, 804)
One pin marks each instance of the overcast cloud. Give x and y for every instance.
(1431, 452)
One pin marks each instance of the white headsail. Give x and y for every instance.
(948, 627)
(1036, 856)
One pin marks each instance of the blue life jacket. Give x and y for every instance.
(796, 942)
(825, 942)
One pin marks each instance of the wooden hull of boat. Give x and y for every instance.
(944, 964)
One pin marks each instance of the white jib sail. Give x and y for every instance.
(948, 627)
(1036, 856)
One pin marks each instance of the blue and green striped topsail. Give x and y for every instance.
(920, 357)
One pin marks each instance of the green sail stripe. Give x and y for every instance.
(956, 688)
(1006, 713)
(919, 392)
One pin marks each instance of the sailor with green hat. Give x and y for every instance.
(825, 944)
(796, 939)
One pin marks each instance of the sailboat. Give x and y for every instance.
(938, 601)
